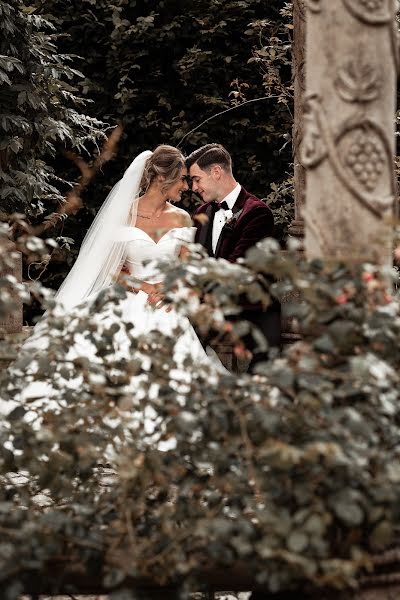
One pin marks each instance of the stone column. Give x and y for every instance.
(348, 141)
(296, 227)
(12, 323)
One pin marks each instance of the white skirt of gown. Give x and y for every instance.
(189, 359)
(125, 321)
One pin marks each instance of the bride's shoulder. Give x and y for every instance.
(182, 217)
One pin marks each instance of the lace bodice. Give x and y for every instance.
(141, 249)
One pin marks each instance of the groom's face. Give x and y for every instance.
(204, 183)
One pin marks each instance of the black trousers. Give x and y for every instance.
(268, 324)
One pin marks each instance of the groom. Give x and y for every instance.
(250, 220)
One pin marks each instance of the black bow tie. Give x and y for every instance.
(222, 205)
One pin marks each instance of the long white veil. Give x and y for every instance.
(103, 248)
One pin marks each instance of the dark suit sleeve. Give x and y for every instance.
(259, 224)
(196, 222)
(200, 210)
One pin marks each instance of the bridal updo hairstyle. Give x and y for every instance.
(166, 161)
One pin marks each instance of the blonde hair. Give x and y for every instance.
(166, 161)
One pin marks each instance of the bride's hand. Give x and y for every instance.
(156, 299)
(148, 288)
(155, 295)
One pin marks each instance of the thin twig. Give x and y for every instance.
(223, 112)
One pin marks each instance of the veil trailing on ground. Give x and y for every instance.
(103, 248)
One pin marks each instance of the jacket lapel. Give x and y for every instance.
(239, 204)
(241, 199)
(205, 235)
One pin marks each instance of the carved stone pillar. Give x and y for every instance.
(296, 227)
(348, 142)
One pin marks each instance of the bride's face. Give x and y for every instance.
(175, 191)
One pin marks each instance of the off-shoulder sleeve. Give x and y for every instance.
(124, 234)
(185, 234)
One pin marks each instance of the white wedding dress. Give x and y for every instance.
(142, 259)
(103, 355)
(142, 256)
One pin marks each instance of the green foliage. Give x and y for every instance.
(293, 472)
(274, 54)
(40, 113)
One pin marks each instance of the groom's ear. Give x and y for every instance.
(216, 171)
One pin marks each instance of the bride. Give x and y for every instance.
(136, 227)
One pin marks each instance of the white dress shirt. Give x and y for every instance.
(222, 216)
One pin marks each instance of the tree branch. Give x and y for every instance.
(73, 201)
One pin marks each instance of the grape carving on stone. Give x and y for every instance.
(365, 165)
(366, 160)
(358, 153)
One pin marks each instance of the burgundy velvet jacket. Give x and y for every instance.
(252, 221)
